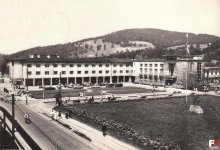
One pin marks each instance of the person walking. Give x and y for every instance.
(104, 129)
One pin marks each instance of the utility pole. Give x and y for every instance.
(43, 87)
(60, 82)
(13, 115)
(186, 66)
(27, 87)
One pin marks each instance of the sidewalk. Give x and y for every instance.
(106, 143)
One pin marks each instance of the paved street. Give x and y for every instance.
(55, 133)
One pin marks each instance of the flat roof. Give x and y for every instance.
(71, 60)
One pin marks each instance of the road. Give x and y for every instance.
(44, 132)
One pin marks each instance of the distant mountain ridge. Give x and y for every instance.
(124, 40)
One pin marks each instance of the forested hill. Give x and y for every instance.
(162, 38)
(121, 41)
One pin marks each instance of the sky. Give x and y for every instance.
(29, 23)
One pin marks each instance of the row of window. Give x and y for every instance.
(78, 65)
(214, 72)
(141, 70)
(150, 65)
(78, 72)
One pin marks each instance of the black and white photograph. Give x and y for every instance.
(110, 74)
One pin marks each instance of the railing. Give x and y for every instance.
(19, 129)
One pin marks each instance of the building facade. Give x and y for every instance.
(168, 71)
(212, 75)
(52, 70)
(41, 70)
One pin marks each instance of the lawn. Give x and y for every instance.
(166, 120)
(93, 91)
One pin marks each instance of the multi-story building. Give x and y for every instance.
(212, 75)
(171, 70)
(52, 70)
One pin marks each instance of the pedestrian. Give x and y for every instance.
(70, 112)
(104, 129)
(52, 116)
(66, 115)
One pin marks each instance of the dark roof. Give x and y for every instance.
(150, 60)
(70, 60)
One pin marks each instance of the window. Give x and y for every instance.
(55, 72)
(121, 65)
(63, 72)
(78, 72)
(145, 65)
(63, 65)
(86, 72)
(121, 71)
(37, 72)
(71, 65)
(150, 65)
(37, 65)
(29, 65)
(100, 71)
(71, 72)
(79, 65)
(93, 72)
(141, 70)
(86, 65)
(155, 65)
(114, 65)
(47, 65)
(114, 71)
(155, 70)
(106, 71)
(161, 65)
(106, 65)
(161, 70)
(29, 72)
(127, 71)
(100, 65)
(141, 65)
(93, 65)
(55, 65)
(145, 69)
(46, 72)
(127, 65)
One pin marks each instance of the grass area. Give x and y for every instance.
(165, 120)
(95, 91)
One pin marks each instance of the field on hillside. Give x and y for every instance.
(91, 92)
(166, 120)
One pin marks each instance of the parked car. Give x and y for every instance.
(119, 85)
(69, 85)
(96, 86)
(110, 85)
(50, 88)
(77, 86)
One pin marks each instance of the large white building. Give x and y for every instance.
(52, 70)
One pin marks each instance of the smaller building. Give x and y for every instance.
(212, 75)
